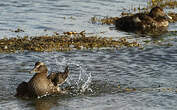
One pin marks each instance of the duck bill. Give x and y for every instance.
(33, 71)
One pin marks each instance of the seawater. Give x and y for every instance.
(116, 79)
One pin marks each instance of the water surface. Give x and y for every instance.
(152, 71)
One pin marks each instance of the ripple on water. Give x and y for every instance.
(145, 70)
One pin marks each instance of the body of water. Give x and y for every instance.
(115, 79)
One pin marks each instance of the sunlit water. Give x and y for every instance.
(98, 78)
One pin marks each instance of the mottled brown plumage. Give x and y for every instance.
(59, 78)
(22, 90)
(40, 84)
(142, 22)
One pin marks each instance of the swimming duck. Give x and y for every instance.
(41, 84)
(141, 22)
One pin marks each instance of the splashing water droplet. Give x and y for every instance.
(85, 86)
(79, 83)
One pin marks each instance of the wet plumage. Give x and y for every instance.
(41, 84)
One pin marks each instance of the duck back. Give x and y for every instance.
(39, 85)
(144, 23)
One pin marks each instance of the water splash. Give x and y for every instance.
(81, 82)
(78, 83)
(85, 86)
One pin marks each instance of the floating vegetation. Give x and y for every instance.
(17, 30)
(106, 20)
(159, 89)
(150, 4)
(74, 33)
(71, 17)
(111, 20)
(63, 42)
(174, 16)
(162, 3)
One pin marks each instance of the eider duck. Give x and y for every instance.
(41, 84)
(22, 90)
(141, 22)
(59, 78)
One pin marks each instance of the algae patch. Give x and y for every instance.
(163, 3)
(61, 43)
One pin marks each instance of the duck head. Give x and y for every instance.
(158, 12)
(39, 67)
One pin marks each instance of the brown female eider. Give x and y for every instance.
(59, 78)
(41, 84)
(141, 22)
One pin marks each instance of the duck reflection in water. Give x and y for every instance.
(41, 83)
(45, 103)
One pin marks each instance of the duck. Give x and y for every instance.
(155, 20)
(41, 83)
(59, 78)
(22, 90)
